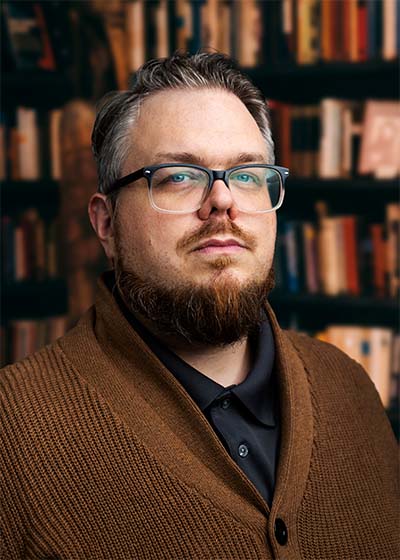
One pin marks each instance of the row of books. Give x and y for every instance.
(256, 32)
(339, 30)
(24, 336)
(30, 144)
(338, 138)
(376, 349)
(340, 254)
(41, 34)
(30, 247)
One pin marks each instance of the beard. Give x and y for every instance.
(221, 313)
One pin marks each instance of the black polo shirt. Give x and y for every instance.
(245, 417)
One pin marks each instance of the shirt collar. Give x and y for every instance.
(256, 392)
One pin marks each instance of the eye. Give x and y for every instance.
(245, 178)
(177, 178)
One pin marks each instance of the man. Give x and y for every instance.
(177, 420)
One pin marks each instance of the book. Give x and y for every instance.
(27, 38)
(393, 248)
(380, 142)
(225, 23)
(379, 366)
(249, 34)
(55, 145)
(308, 29)
(389, 46)
(362, 31)
(371, 347)
(310, 249)
(379, 258)
(28, 144)
(209, 25)
(352, 280)
(135, 34)
(329, 256)
(330, 142)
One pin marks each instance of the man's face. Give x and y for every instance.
(212, 128)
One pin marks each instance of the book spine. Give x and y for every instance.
(136, 38)
(311, 257)
(378, 259)
(393, 248)
(362, 31)
(331, 135)
(351, 258)
(28, 142)
(389, 46)
(380, 362)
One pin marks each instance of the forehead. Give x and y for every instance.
(212, 123)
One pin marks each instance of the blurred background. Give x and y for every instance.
(329, 70)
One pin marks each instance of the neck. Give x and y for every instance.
(226, 365)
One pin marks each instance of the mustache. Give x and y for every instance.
(210, 228)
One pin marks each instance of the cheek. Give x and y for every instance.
(266, 236)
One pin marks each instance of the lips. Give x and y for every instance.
(221, 243)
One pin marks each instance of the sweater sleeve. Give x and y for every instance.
(11, 480)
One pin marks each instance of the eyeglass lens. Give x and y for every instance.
(180, 188)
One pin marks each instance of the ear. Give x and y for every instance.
(100, 214)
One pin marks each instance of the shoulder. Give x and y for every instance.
(340, 387)
(333, 374)
(320, 358)
(36, 391)
(41, 373)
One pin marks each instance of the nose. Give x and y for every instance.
(219, 201)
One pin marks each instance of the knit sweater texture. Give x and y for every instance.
(104, 455)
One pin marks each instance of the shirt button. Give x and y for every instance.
(243, 450)
(281, 532)
(226, 403)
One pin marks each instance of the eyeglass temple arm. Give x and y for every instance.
(126, 180)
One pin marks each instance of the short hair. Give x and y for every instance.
(117, 111)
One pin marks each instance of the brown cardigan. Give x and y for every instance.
(103, 454)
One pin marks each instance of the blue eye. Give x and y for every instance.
(244, 177)
(178, 177)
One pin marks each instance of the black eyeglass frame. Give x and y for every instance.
(213, 175)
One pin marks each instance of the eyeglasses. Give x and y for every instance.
(176, 188)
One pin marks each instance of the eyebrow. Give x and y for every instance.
(187, 157)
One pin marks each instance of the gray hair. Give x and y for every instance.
(118, 111)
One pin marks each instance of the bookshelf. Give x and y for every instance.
(364, 196)
(34, 300)
(272, 62)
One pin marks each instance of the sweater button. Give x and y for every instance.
(281, 533)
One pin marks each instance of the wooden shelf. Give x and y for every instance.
(319, 310)
(34, 299)
(388, 187)
(18, 195)
(364, 197)
(36, 88)
(310, 83)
